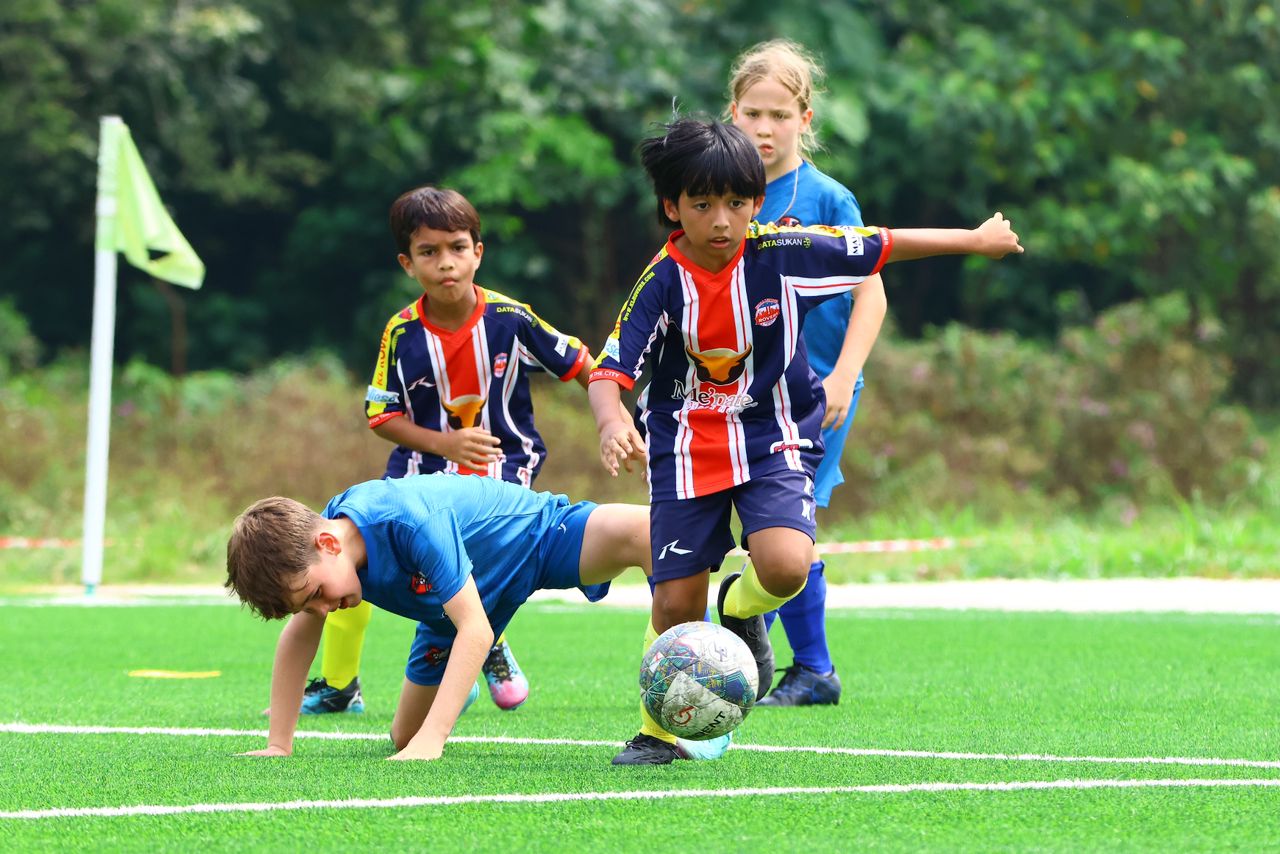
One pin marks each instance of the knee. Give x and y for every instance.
(785, 577)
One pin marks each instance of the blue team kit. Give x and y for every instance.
(424, 536)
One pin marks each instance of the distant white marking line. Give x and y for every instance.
(547, 798)
(73, 729)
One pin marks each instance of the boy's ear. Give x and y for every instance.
(328, 543)
(672, 210)
(759, 204)
(405, 264)
(479, 252)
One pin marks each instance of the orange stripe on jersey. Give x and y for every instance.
(464, 383)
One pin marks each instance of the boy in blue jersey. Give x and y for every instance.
(732, 412)
(459, 555)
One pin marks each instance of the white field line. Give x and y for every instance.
(72, 729)
(565, 797)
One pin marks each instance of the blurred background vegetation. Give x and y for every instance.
(1117, 372)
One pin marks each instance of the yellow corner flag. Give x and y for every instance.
(136, 221)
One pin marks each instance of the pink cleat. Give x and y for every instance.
(507, 683)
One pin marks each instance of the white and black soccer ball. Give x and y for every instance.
(698, 680)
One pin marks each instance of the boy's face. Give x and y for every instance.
(770, 115)
(328, 584)
(444, 263)
(714, 225)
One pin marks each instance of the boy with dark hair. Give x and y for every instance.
(450, 390)
(457, 554)
(732, 412)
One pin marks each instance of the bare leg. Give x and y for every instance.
(616, 537)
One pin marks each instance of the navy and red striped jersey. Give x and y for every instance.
(475, 376)
(732, 396)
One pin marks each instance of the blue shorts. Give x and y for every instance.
(692, 534)
(829, 475)
(553, 564)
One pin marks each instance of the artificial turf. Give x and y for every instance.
(1132, 686)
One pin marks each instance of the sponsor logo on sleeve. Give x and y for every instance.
(419, 585)
(562, 344)
(767, 311)
(381, 395)
(611, 349)
(852, 242)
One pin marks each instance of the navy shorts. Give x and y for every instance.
(554, 564)
(692, 534)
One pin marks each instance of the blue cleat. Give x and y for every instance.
(804, 686)
(471, 698)
(321, 698)
(712, 748)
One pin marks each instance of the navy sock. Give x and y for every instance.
(805, 621)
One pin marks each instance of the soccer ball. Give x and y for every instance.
(698, 680)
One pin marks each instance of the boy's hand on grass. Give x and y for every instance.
(620, 443)
(473, 447)
(417, 752)
(996, 237)
(270, 750)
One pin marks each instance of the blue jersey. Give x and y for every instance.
(732, 396)
(424, 536)
(807, 196)
(474, 376)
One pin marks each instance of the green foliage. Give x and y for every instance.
(1134, 144)
(1127, 412)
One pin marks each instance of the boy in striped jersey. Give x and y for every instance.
(450, 390)
(732, 413)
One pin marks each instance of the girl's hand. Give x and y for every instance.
(473, 447)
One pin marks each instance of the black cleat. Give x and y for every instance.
(322, 698)
(754, 633)
(804, 686)
(647, 750)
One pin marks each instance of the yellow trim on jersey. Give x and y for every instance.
(386, 350)
(759, 229)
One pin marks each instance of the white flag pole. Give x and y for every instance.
(101, 351)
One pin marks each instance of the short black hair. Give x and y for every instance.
(441, 209)
(701, 157)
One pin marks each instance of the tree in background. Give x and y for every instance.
(1136, 144)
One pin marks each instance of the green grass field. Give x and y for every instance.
(1108, 713)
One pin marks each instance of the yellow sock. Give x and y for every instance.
(343, 643)
(648, 726)
(747, 598)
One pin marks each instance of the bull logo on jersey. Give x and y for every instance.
(464, 411)
(720, 366)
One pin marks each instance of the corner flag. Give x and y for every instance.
(131, 219)
(140, 222)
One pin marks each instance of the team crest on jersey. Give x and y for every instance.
(767, 311)
(500, 364)
(718, 366)
(790, 221)
(406, 313)
(418, 585)
(437, 654)
(464, 411)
